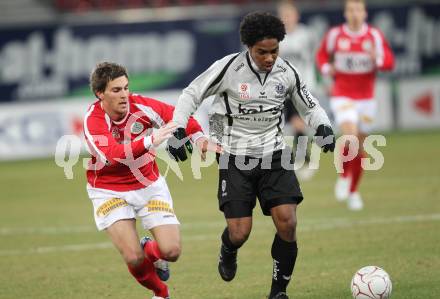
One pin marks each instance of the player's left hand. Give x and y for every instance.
(204, 145)
(325, 138)
(177, 144)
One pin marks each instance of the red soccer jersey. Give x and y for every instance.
(129, 139)
(350, 53)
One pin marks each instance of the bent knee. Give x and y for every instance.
(171, 253)
(287, 229)
(287, 223)
(291, 224)
(133, 257)
(239, 236)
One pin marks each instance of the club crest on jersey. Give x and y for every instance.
(344, 44)
(136, 128)
(279, 88)
(115, 133)
(244, 91)
(367, 45)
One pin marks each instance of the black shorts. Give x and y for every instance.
(289, 110)
(271, 183)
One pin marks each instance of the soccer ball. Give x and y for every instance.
(371, 282)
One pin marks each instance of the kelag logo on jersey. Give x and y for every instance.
(308, 96)
(260, 109)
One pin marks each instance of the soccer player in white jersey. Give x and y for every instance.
(298, 48)
(246, 118)
(352, 54)
(123, 178)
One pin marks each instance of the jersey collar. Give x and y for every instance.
(358, 33)
(254, 68)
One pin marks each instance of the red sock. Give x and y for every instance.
(345, 165)
(356, 172)
(146, 275)
(152, 251)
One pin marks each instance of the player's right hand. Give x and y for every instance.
(163, 133)
(177, 144)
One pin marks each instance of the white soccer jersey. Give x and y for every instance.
(246, 116)
(298, 47)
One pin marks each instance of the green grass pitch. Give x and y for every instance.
(49, 247)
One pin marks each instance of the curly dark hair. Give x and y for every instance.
(103, 73)
(257, 26)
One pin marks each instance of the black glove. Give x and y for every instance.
(176, 145)
(325, 138)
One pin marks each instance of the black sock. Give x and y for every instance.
(229, 249)
(284, 256)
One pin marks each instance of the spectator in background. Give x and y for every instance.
(298, 47)
(352, 54)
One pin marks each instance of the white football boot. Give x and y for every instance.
(355, 202)
(342, 188)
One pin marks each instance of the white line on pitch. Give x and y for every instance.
(5, 231)
(50, 249)
(305, 224)
(318, 226)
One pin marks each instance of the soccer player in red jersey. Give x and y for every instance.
(352, 54)
(123, 178)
